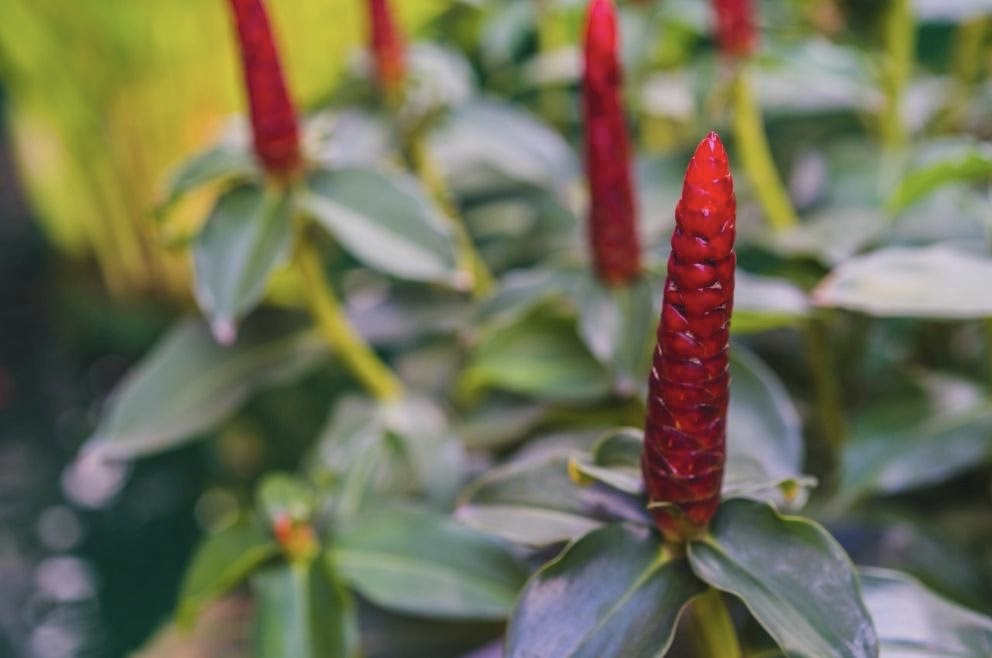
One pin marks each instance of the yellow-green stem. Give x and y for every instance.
(826, 388)
(469, 259)
(713, 629)
(898, 39)
(338, 331)
(752, 143)
(966, 61)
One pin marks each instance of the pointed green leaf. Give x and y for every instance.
(188, 383)
(224, 161)
(614, 592)
(913, 622)
(793, 577)
(539, 355)
(386, 221)
(969, 164)
(425, 564)
(535, 502)
(916, 437)
(246, 237)
(762, 303)
(617, 325)
(222, 561)
(922, 282)
(300, 612)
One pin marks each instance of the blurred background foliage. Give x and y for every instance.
(108, 95)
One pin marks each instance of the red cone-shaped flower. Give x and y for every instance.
(388, 50)
(612, 223)
(735, 30)
(273, 118)
(686, 426)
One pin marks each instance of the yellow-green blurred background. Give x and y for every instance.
(107, 95)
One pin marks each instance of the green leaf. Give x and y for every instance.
(793, 577)
(247, 236)
(924, 282)
(284, 495)
(301, 612)
(499, 421)
(534, 502)
(913, 622)
(915, 438)
(617, 324)
(425, 564)
(188, 383)
(539, 355)
(762, 303)
(222, 561)
(486, 145)
(832, 236)
(224, 161)
(370, 450)
(971, 165)
(615, 592)
(764, 432)
(386, 221)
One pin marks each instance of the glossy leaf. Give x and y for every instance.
(617, 325)
(764, 435)
(539, 355)
(225, 161)
(425, 564)
(793, 577)
(762, 303)
(371, 449)
(915, 438)
(246, 237)
(615, 592)
(188, 383)
(913, 622)
(535, 502)
(488, 144)
(831, 236)
(300, 612)
(924, 282)
(222, 561)
(386, 221)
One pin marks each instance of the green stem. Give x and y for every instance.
(826, 390)
(966, 60)
(469, 259)
(338, 331)
(713, 629)
(749, 130)
(987, 324)
(898, 39)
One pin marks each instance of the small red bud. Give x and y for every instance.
(686, 426)
(388, 49)
(612, 221)
(735, 27)
(273, 117)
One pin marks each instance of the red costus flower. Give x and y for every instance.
(387, 46)
(273, 118)
(735, 29)
(612, 223)
(686, 426)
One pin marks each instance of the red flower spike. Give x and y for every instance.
(735, 29)
(612, 222)
(273, 117)
(388, 50)
(686, 426)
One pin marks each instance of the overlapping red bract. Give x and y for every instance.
(274, 124)
(612, 221)
(686, 426)
(735, 28)
(388, 49)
